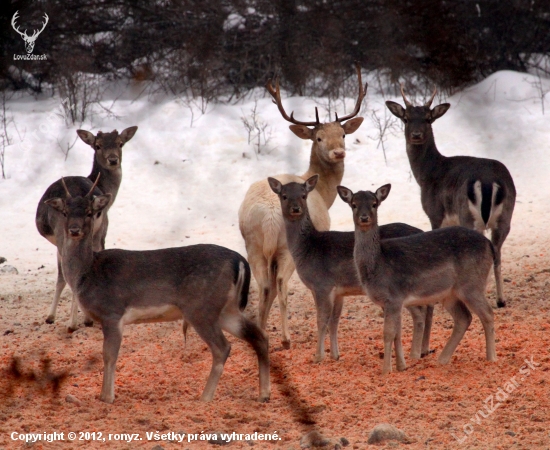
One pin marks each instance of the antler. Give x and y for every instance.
(360, 97)
(429, 102)
(66, 189)
(276, 94)
(13, 19)
(94, 185)
(407, 102)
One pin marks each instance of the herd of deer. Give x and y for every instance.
(284, 221)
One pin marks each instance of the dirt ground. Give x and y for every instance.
(469, 403)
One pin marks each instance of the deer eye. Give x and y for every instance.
(284, 197)
(304, 196)
(354, 206)
(318, 139)
(375, 205)
(344, 136)
(405, 120)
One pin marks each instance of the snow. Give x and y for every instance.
(183, 185)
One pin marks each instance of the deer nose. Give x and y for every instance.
(339, 154)
(295, 210)
(113, 160)
(364, 219)
(75, 230)
(417, 135)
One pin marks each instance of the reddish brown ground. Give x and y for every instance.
(159, 379)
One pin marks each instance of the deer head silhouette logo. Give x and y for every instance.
(29, 40)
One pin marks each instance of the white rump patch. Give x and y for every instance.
(475, 208)
(496, 211)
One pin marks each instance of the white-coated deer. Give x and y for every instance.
(206, 285)
(476, 193)
(324, 262)
(260, 219)
(107, 163)
(449, 265)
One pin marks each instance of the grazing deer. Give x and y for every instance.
(448, 265)
(476, 193)
(260, 219)
(107, 163)
(206, 285)
(324, 262)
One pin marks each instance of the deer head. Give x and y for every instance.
(364, 205)
(417, 119)
(29, 40)
(108, 146)
(328, 138)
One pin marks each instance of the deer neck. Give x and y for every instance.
(367, 252)
(330, 176)
(298, 234)
(77, 258)
(109, 181)
(424, 159)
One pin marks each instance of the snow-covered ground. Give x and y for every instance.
(183, 185)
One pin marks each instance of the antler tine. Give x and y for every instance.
(429, 102)
(66, 189)
(407, 102)
(276, 94)
(94, 185)
(13, 19)
(360, 96)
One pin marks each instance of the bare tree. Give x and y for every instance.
(5, 138)
(259, 131)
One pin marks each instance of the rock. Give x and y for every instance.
(217, 440)
(510, 433)
(387, 432)
(2, 260)
(72, 399)
(314, 439)
(9, 269)
(157, 447)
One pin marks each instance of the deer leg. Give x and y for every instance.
(112, 338)
(418, 314)
(392, 335)
(324, 304)
(479, 306)
(220, 348)
(73, 319)
(257, 338)
(266, 287)
(285, 269)
(60, 285)
(338, 303)
(427, 330)
(462, 319)
(498, 236)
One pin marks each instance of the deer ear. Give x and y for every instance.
(56, 203)
(311, 183)
(302, 131)
(383, 192)
(352, 125)
(439, 110)
(275, 185)
(86, 136)
(100, 202)
(396, 109)
(345, 194)
(128, 134)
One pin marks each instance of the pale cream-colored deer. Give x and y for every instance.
(260, 218)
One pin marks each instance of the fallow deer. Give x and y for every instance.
(260, 219)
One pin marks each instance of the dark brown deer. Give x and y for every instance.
(449, 265)
(206, 285)
(324, 262)
(476, 193)
(107, 165)
(260, 219)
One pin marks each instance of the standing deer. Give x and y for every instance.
(476, 193)
(107, 165)
(449, 265)
(260, 219)
(324, 262)
(206, 285)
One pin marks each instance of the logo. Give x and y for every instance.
(29, 40)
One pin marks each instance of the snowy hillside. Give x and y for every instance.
(183, 185)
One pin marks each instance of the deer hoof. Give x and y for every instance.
(286, 345)
(264, 398)
(89, 323)
(71, 329)
(318, 358)
(501, 303)
(50, 319)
